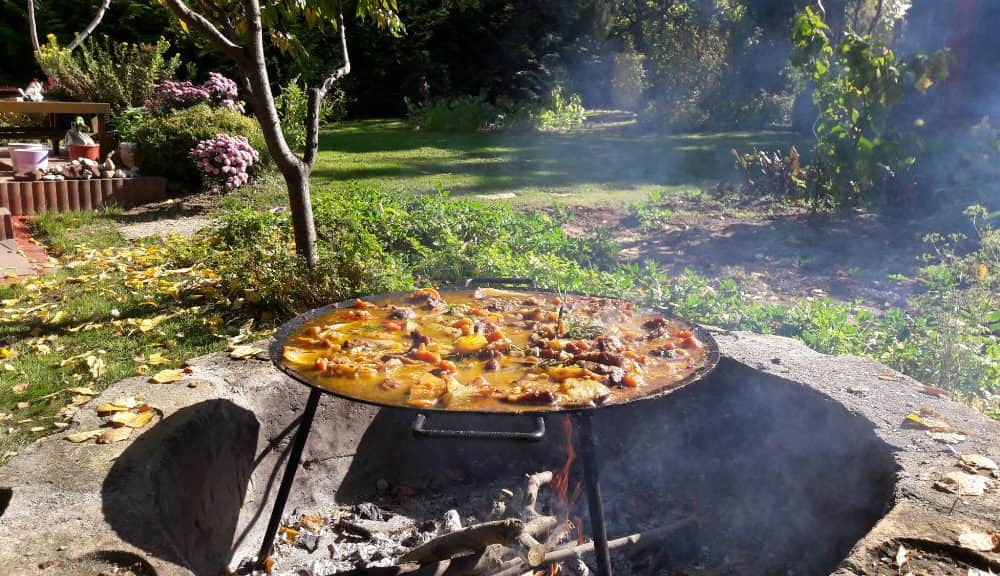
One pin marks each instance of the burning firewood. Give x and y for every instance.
(567, 553)
(472, 539)
(535, 482)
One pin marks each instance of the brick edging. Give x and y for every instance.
(27, 198)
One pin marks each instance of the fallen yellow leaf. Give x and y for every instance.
(83, 436)
(19, 389)
(6, 353)
(243, 352)
(119, 405)
(169, 375)
(934, 424)
(37, 429)
(157, 359)
(132, 419)
(111, 435)
(79, 400)
(82, 390)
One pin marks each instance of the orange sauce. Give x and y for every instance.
(493, 350)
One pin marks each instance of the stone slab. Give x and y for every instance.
(238, 416)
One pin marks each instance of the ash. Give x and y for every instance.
(376, 533)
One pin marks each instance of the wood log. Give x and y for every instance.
(518, 566)
(540, 526)
(535, 482)
(472, 539)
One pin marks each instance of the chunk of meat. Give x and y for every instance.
(426, 298)
(492, 365)
(402, 313)
(532, 396)
(615, 375)
(418, 339)
(608, 358)
(609, 344)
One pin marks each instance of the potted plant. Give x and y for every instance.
(79, 144)
(127, 124)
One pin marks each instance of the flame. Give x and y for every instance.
(554, 569)
(560, 480)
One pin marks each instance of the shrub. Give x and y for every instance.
(170, 95)
(254, 255)
(861, 155)
(162, 143)
(474, 113)
(461, 114)
(629, 80)
(560, 112)
(293, 105)
(118, 73)
(771, 174)
(224, 160)
(127, 122)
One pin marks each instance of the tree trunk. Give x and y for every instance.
(300, 204)
(33, 27)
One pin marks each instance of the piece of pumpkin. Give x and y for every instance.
(470, 344)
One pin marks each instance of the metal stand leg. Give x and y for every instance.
(294, 456)
(591, 475)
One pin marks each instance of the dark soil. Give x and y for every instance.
(776, 252)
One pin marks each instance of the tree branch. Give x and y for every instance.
(32, 27)
(317, 94)
(200, 23)
(90, 27)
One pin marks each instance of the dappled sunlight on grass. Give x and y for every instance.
(608, 164)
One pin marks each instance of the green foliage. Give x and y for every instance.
(446, 240)
(651, 213)
(162, 143)
(560, 112)
(293, 106)
(628, 80)
(126, 123)
(861, 155)
(461, 114)
(474, 113)
(102, 70)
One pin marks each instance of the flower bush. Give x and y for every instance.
(225, 159)
(222, 91)
(170, 95)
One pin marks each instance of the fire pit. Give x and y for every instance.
(691, 352)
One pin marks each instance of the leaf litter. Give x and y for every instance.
(121, 417)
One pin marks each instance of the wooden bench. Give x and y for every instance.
(50, 130)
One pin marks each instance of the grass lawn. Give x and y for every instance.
(610, 162)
